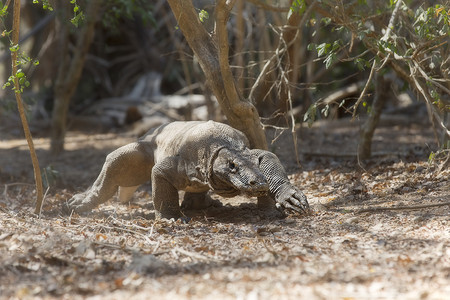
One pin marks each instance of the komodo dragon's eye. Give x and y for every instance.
(232, 166)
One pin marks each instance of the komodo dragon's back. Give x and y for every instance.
(193, 139)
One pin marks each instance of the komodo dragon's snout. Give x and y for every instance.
(236, 172)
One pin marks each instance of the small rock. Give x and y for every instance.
(352, 220)
(289, 221)
(419, 169)
(381, 242)
(406, 189)
(319, 207)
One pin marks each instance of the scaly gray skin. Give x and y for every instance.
(194, 157)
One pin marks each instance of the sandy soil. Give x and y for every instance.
(344, 249)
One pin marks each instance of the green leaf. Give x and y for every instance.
(322, 49)
(203, 15)
(3, 11)
(326, 110)
(14, 48)
(298, 6)
(431, 157)
(326, 21)
(330, 59)
(310, 115)
(360, 63)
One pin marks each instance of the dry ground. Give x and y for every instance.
(339, 251)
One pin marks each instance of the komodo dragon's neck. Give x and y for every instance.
(218, 186)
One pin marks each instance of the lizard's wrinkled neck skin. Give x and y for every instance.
(218, 186)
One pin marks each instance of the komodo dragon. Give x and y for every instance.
(195, 157)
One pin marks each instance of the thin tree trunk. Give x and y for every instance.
(69, 72)
(213, 58)
(366, 134)
(23, 118)
(239, 47)
(285, 58)
(290, 38)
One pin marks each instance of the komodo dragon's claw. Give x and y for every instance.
(291, 198)
(76, 204)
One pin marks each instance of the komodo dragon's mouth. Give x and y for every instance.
(254, 188)
(256, 193)
(231, 192)
(228, 193)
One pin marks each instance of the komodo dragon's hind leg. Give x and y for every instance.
(128, 166)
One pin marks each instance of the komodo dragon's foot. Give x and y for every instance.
(291, 198)
(79, 203)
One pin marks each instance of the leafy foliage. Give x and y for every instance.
(415, 45)
(328, 50)
(78, 15)
(298, 6)
(45, 4)
(22, 60)
(117, 10)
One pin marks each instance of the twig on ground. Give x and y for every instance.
(127, 230)
(445, 164)
(193, 254)
(405, 207)
(43, 200)
(132, 225)
(5, 191)
(129, 249)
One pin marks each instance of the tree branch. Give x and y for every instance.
(269, 7)
(23, 118)
(222, 12)
(213, 59)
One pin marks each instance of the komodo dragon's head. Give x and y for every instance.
(235, 172)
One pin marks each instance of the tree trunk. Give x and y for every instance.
(69, 71)
(366, 134)
(212, 53)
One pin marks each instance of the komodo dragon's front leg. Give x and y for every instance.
(128, 167)
(282, 194)
(167, 178)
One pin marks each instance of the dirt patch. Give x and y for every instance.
(230, 252)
